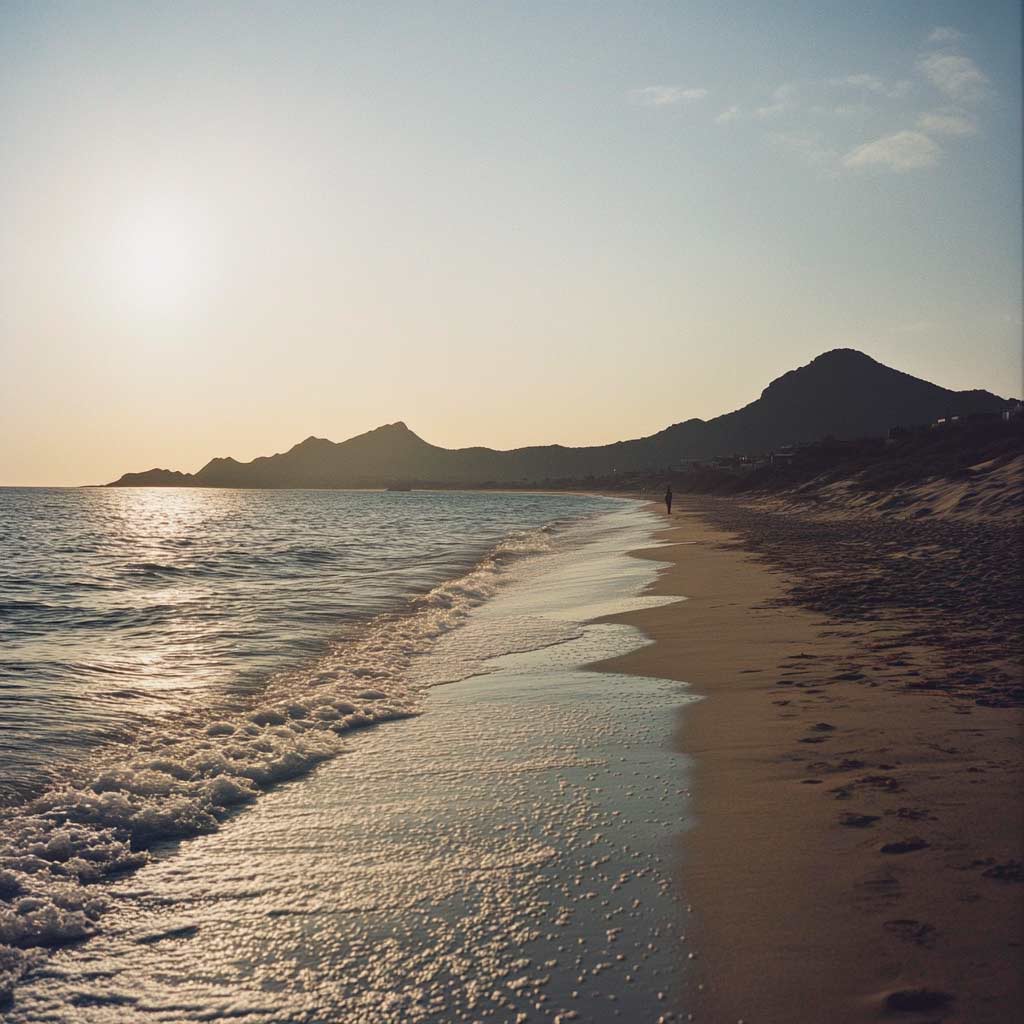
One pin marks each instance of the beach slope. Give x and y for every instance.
(858, 772)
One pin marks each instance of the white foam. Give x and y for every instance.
(559, 592)
(183, 781)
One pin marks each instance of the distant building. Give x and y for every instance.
(783, 456)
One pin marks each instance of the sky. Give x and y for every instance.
(227, 227)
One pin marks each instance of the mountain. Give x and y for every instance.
(843, 394)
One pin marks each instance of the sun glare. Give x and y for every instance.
(160, 258)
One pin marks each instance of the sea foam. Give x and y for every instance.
(185, 779)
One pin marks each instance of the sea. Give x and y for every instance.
(325, 756)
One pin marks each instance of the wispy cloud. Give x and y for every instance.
(819, 120)
(944, 67)
(784, 99)
(666, 95)
(955, 75)
(944, 35)
(901, 151)
(872, 84)
(845, 109)
(948, 122)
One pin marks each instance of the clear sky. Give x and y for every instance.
(225, 227)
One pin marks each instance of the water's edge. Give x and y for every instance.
(84, 835)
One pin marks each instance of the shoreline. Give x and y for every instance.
(178, 777)
(507, 851)
(857, 847)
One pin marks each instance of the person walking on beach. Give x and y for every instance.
(668, 499)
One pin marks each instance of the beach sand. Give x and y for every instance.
(857, 854)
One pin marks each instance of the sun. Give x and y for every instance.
(159, 258)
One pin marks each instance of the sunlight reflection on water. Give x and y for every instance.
(508, 852)
(126, 606)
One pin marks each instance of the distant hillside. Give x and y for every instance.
(960, 451)
(843, 394)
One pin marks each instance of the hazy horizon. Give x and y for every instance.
(230, 228)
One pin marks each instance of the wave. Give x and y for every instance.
(152, 569)
(185, 778)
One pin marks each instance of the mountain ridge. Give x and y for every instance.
(842, 393)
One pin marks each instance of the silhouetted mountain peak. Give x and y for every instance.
(311, 445)
(842, 393)
(387, 430)
(843, 357)
(841, 373)
(390, 434)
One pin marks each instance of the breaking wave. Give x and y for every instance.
(184, 779)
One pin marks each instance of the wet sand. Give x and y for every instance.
(507, 855)
(857, 854)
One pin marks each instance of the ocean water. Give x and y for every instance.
(120, 608)
(194, 830)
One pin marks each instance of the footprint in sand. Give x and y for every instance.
(858, 820)
(917, 1000)
(882, 782)
(1011, 871)
(904, 845)
(912, 813)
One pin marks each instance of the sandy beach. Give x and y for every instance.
(857, 853)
